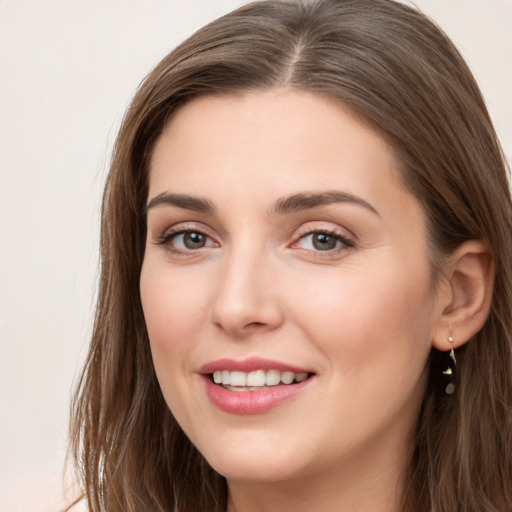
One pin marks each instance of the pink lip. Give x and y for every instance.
(249, 365)
(251, 402)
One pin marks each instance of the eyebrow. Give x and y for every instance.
(294, 203)
(184, 201)
(309, 200)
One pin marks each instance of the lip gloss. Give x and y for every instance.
(250, 401)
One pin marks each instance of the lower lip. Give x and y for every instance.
(252, 402)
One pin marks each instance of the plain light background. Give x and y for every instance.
(68, 70)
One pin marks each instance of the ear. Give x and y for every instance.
(465, 294)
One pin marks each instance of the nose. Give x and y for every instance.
(247, 296)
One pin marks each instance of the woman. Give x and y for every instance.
(305, 291)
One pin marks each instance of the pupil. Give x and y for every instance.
(194, 240)
(323, 242)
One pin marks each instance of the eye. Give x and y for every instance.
(186, 240)
(190, 240)
(323, 241)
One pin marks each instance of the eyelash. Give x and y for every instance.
(346, 243)
(167, 238)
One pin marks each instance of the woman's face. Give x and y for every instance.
(282, 247)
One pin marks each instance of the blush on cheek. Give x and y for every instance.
(166, 303)
(363, 318)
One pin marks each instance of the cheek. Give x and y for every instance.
(173, 303)
(172, 310)
(370, 322)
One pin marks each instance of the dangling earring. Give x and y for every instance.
(450, 369)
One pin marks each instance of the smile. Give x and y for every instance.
(253, 386)
(255, 380)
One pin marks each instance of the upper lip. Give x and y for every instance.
(249, 365)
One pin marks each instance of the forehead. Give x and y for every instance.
(277, 134)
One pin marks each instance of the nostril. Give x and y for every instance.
(255, 324)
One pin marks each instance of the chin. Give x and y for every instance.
(256, 462)
(267, 471)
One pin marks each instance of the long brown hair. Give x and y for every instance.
(395, 69)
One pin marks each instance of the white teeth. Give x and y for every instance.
(238, 379)
(287, 377)
(272, 377)
(301, 376)
(258, 378)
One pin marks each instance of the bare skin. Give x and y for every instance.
(241, 262)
